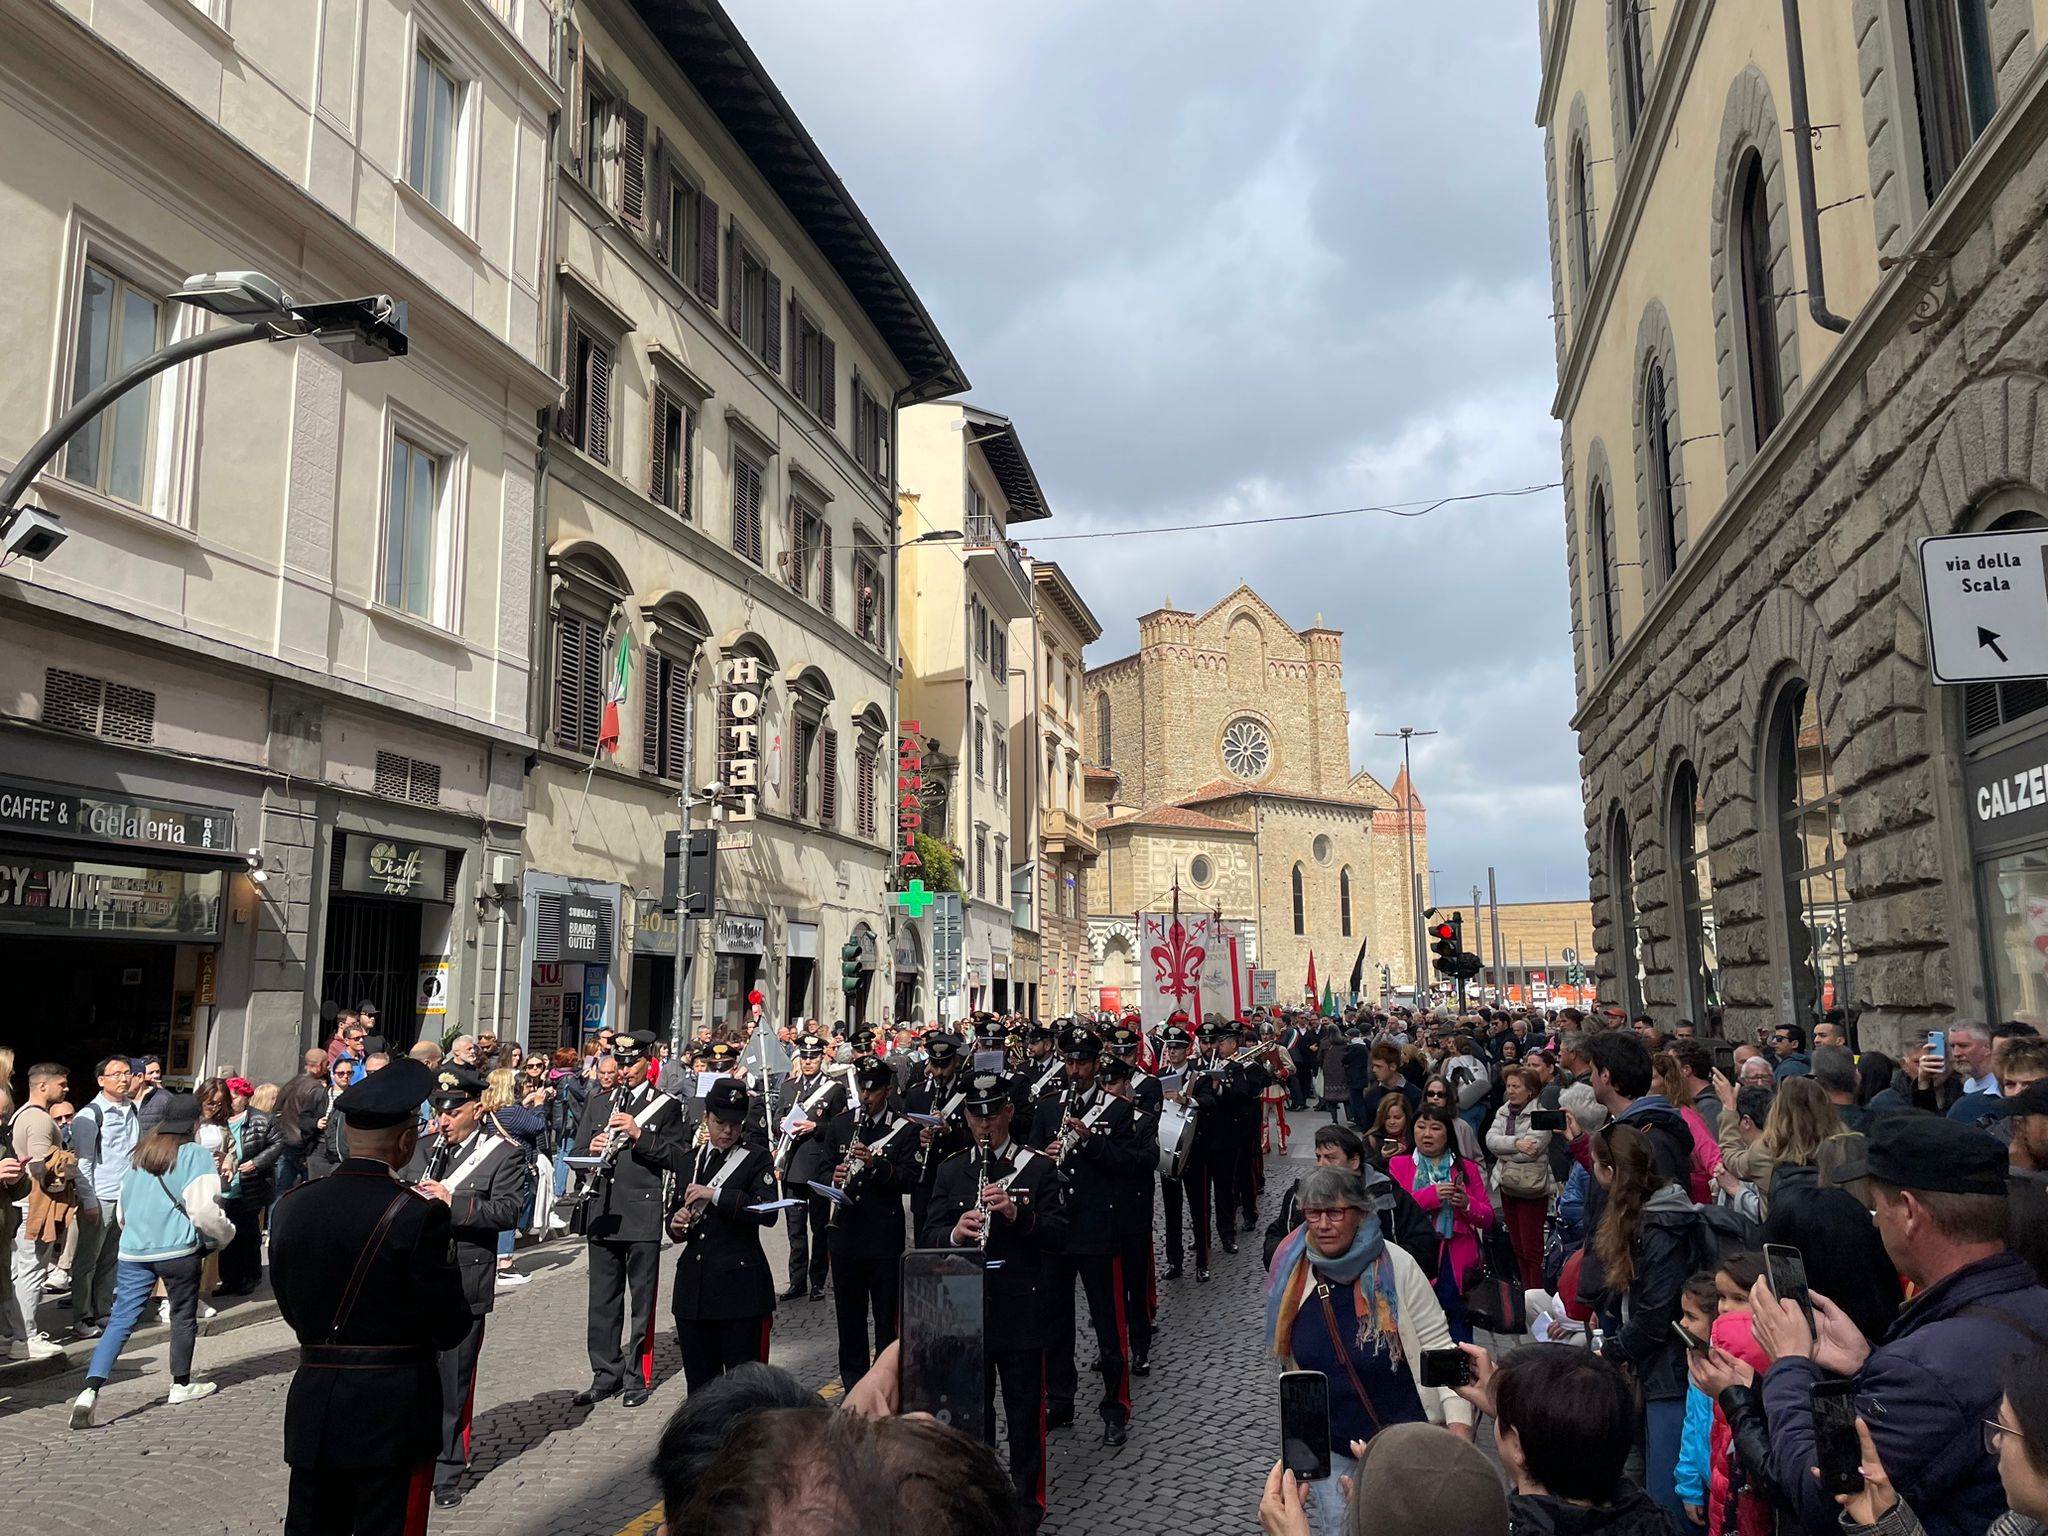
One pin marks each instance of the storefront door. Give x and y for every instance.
(373, 953)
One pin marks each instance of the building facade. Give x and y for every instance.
(1798, 282)
(966, 483)
(734, 342)
(1220, 762)
(265, 711)
(1050, 816)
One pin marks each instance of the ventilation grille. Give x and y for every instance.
(76, 701)
(1986, 706)
(408, 778)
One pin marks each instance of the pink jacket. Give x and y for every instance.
(1753, 1517)
(1706, 1156)
(1463, 1247)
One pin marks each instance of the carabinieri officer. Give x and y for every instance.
(364, 1271)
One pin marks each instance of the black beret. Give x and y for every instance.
(727, 1100)
(1918, 1151)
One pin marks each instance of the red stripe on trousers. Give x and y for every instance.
(1038, 1494)
(647, 1343)
(1123, 1336)
(767, 1326)
(469, 1403)
(418, 1499)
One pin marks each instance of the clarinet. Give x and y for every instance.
(438, 1161)
(981, 1177)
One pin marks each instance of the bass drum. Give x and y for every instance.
(1176, 1139)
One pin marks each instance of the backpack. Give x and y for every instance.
(1728, 1231)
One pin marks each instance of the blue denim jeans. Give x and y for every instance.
(1327, 1497)
(132, 1285)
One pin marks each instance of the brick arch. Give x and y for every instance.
(1655, 343)
(1750, 121)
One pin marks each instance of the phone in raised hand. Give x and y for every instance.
(1785, 1268)
(1305, 1424)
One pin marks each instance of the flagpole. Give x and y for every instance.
(590, 773)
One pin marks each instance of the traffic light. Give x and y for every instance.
(849, 967)
(1447, 940)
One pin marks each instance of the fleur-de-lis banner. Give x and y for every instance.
(1188, 964)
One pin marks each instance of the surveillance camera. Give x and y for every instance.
(712, 790)
(33, 535)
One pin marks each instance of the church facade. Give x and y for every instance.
(1219, 760)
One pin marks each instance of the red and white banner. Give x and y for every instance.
(1193, 964)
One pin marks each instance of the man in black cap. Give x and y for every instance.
(724, 1298)
(365, 1275)
(1177, 1194)
(621, 1217)
(1134, 1205)
(1244, 1105)
(1041, 1071)
(814, 1098)
(1026, 1223)
(873, 1156)
(1093, 1139)
(1941, 1208)
(941, 1092)
(481, 1177)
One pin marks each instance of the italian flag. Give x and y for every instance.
(615, 695)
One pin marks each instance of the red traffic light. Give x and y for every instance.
(1443, 931)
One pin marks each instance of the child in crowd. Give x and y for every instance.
(1714, 1309)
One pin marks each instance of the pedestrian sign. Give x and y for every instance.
(1987, 605)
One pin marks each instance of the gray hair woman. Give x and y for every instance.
(1342, 1300)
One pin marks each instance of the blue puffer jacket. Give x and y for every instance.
(1924, 1392)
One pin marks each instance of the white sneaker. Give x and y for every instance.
(42, 1347)
(163, 1310)
(192, 1391)
(206, 1310)
(513, 1277)
(58, 1283)
(557, 1224)
(81, 1408)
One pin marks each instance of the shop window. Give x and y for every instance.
(1689, 862)
(1807, 815)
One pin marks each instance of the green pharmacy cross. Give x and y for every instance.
(915, 898)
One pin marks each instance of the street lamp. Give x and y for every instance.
(364, 330)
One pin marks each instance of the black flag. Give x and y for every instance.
(1358, 969)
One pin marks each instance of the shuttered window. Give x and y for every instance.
(672, 436)
(754, 303)
(746, 507)
(665, 718)
(867, 595)
(587, 412)
(803, 537)
(866, 765)
(800, 768)
(813, 364)
(870, 433)
(825, 565)
(828, 778)
(579, 682)
(632, 200)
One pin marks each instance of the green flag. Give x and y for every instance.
(1329, 1001)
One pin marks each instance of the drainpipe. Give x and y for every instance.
(1802, 157)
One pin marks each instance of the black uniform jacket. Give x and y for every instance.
(1150, 1096)
(809, 1157)
(928, 1096)
(1099, 1165)
(487, 1201)
(368, 1391)
(1136, 1183)
(871, 1225)
(721, 1272)
(1225, 1098)
(626, 1207)
(1019, 1281)
(1029, 1095)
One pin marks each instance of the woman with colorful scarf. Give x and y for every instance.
(1342, 1300)
(1452, 1189)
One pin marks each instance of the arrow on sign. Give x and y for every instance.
(1987, 637)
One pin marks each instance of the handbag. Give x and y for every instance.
(206, 1243)
(1494, 1297)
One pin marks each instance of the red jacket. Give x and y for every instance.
(1733, 1332)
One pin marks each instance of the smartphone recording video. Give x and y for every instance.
(1835, 1445)
(945, 1337)
(1447, 1368)
(1785, 1268)
(1305, 1424)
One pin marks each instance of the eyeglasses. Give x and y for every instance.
(1996, 1430)
(1326, 1216)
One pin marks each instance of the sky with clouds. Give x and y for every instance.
(1221, 261)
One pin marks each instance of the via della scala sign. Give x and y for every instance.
(909, 799)
(743, 736)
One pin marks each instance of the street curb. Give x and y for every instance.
(78, 1352)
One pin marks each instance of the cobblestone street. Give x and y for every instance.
(1201, 1437)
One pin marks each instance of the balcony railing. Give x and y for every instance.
(1065, 833)
(985, 535)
